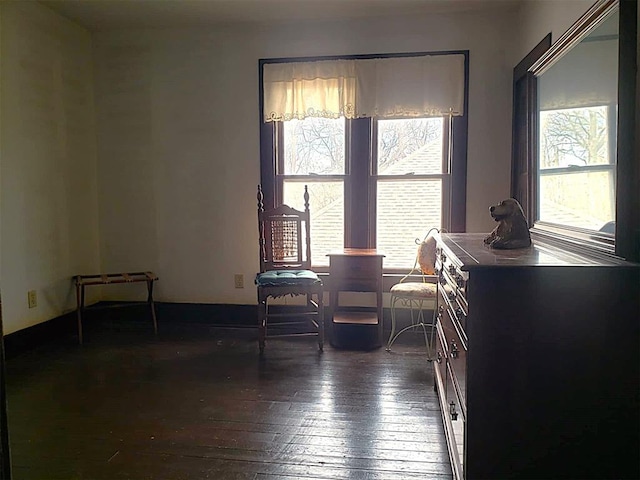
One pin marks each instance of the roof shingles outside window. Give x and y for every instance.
(405, 212)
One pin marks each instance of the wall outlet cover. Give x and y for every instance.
(32, 298)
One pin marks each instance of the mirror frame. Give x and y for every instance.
(626, 241)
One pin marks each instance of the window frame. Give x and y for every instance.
(360, 168)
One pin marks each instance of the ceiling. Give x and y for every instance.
(117, 14)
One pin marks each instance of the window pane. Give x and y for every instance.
(314, 146)
(406, 210)
(574, 137)
(581, 199)
(576, 179)
(410, 146)
(326, 206)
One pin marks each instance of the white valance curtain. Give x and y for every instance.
(419, 86)
(586, 76)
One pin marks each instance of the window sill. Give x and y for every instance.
(576, 239)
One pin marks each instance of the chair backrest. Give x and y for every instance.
(425, 262)
(427, 253)
(284, 236)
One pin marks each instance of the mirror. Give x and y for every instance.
(577, 121)
(575, 160)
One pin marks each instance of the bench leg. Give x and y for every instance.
(152, 306)
(80, 305)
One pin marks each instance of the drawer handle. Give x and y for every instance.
(454, 349)
(460, 313)
(452, 295)
(452, 269)
(439, 357)
(452, 411)
(440, 309)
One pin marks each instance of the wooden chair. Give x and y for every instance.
(285, 266)
(415, 294)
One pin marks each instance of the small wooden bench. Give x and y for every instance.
(104, 279)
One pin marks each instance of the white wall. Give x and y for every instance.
(48, 189)
(178, 143)
(177, 124)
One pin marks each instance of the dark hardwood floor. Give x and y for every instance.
(199, 402)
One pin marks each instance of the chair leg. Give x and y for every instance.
(320, 322)
(434, 321)
(421, 322)
(392, 338)
(417, 320)
(262, 322)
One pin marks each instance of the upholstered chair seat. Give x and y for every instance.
(415, 289)
(275, 278)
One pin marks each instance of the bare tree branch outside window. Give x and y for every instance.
(574, 137)
(314, 146)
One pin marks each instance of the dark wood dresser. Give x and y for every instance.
(537, 361)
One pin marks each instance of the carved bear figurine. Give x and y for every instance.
(512, 230)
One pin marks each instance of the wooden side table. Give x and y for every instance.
(355, 270)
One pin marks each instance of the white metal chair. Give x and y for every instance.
(416, 295)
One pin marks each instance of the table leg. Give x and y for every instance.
(380, 312)
(333, 306)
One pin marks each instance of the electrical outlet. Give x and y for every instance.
(32, 298)
(238, 279)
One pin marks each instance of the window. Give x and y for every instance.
(373, 182)
(411, 183)
(313, 154)
(576, 171)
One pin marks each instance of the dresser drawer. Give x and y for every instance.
(454, 292)
(357, 268)
(451, 275)
(456, 348)
(354, 284)
(441, 355)
(457, 423)
(456, 278)
(460, 312)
